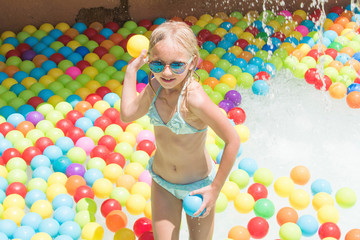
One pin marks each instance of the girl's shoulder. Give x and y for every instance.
(196, 94)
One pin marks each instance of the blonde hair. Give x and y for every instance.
(181, 34)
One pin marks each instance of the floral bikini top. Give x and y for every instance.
(176, 124)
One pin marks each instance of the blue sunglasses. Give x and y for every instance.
(176, 67)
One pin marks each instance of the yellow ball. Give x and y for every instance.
(8, 82)
(206, 17)
(299, 199)
(92, 85)
(134, 128)
(55, 100)
(127, 137)
(57, 177)
(283, 186)
(136, 44)
(275, 25)
(220, 32)
(217, 21)
(55, 73)
(244, 202)
(263, 176)
(92, 231)
(30, 29)
(43, 208)
(102, 188)
(235, 50)
(95, 133)
(14, 213)
(54, 190)
(28, 82)
(201, 23)
(5, 48)
(229, 80)
(46, 80)
(321, 199)
(112, 84)
(101, 106)
(83, 92)
(141, 188)
(62, 26)
(231, 190)
(47, 27)
(113, 130)
(14, 200)
(135, 204)
(41, 236)
(124, 234)
(91, 58)
(112, 172)
(7, 34)
(73, 45)
(134, 169)
(243, 132)
(3, 171)
(147, 210)
(213, 58)
(236, 30)
(328, 213)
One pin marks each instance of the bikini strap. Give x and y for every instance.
(157, 93)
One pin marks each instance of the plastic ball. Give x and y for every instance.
(258, 227)
(328, 213)
(92, 231)
(321, 185)
(135, 204)
(345, 197)
(244, 202)
(142, 225)
(353, 234)
(353, 99)
(102, 188)
(308, 225)
(258, 191)
(136, 44)
(240, 177)
(329, 229)
(116, 220)
(124, 233)
(283, 186)
(49, 226)
(191, 204)
(75, 169)
(70, 228)
(290, 231)
(239, 232)
(264, 208)
(286, 214)
(43, 208)
(300, 175)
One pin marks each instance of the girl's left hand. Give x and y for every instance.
(210, 195)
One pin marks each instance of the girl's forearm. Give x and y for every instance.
(128, 95)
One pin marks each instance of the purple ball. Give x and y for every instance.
(233, 96)
(75, 169)
(227, 105)
(28, 55)
(34, 117)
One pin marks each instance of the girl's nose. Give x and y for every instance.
(167, 70)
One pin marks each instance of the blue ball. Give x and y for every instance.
(49, 226)
(38, 47)
(332, 16)
(75, 58)
(70, 228)
(356, 56)
(15, 119)
(321, 185)
(64, 214)
(226, 25)
(73, 99)
(268, 30)
(31, 219)
(2, 196)
(159, 21)
(6, 111)
(48, 65)
(111, 98)
(3, 236)
(42, 172)
(231, 37)
(3, 75)
(353, 87)
(230, 57)
(308, 225)
(65, 51)
(308, 40)
(65, 144)
(256, 61)
(106, 32)
(25, 109)
(92, 114)
(276, 42)
(60, 164)
(140, 75)
(4, 144)
(91, 175)
(3, 183)
(47, 40)
(260, 87)
(224, 44)
(253, 49)
(342, 57)
(24, 233)
(48, 52)
(325, 41)
(52, 152)
(258, 24)
(219, 156)
(55, 33)
(40, 160)
(63, 237)
(83, 51)
(32, 41)
(119, 64)
(249, 165)
(84, 123)
(81, 27)
(34, 195)
(269, 68)
(209, 46)
(62, 200)
(192, 204)
(45, 94)
(20, 75)
(240, 62)
(269, 47)
(217, 73)
(355, 18)
(2, 58)
(11, 40)
(330, 34)
(17, 88)
(252, 69)
(308, 23)
(37, 73)
(8, 227)
(292, 40)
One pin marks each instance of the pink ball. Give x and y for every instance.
(303, 30)
(145, 135)
(285, 13)
(73, 72)
(145, 177)
(140, 87)
(85, 143)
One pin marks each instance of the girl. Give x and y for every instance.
(180, 111)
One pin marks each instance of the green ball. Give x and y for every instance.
(196, 29)
(290, 231)
(325, 60)
(44, 125)
(102, 78)
(245, 80)
(86, 204)
(63, 107)
(240, 177)
(145, 68)
(39, 34)
(65, 64)
(22, 144)
(242, 24)
(84, 217)
(218, 51)
(124, 149)
(64, 79)
(16, 175)
(117, 51)
(91, 45)
(234, 70)
(345, 197)
(335, 45)
(3, 89)
(266, 16)
(300, 70)
(291, 62)
(203, 74)
(26, 95)
(263, 36)
(264, 208)
(280, 19)
(55, 86)
(37, 183)
(264, 55)
(124, 31)
(45, 108)
(100, 65)
(236, 14)
(2, 104)
(263, 176)
(213, 150)
(54, 134)
(82, 39)
(348, 71)
(96, 162)
(222, 88)
(140, 30)
(8, 96)
(309, 61)
(121, 194)
(344, 41)
(207, 89)
(56, 45)
(211, 27)
(203, 53)
(281, 52)
(34, 135)
(354, 45)
(77, 155)
(140, 157)
(16, 103)
(83, 79)
(223, 64)
(130, 25)
(16, 163)
(14, 135)
(64, 93)
(221, 203)
(344, 79)
(276, 60)
(13, 61)
(26, 66)
(126, 57)
(216, 97)
(22, 36)
(73, 86)
(118, 75)
(54, 116)
(332, 73)
(110, 70)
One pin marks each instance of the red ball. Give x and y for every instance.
(109, 205)
(281, 36)
(29, 153)
(83, 191)
(102, 122)
(146, 146)
(113, 114)
(312, 75)
(142, 225)
(122, 124)
(146, 23)
(258, 227)
(100, 51)
(100, 151)
(203, 34)
(357, 80)
(314, 53)
(102, 91)
(16, 188)
(35, 101)
(262, 76)
(64, 125)
(98, 38)
(329, 229)
(92, 98)
(90, 32)
(113, 26)
(337, 9)
(82, 64)
(258, 190)
(6, 127)
(2, 161)
(43, 143)
(241, 43)
(331, 52)
(116, 158)
(319, 84)
(108, 141)
(237, 114)
(75, 133)
(73, 116)
(10, 153)
(123, 44)
(57, 58)
(147, 236)
(23, 47)
(214, 38)
(253, 30)
(130, 35)
(65, 39)
(13, 53)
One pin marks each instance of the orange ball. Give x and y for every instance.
(11, 70)
(191, 19)
(82, 106)
(347, 14)
(297, 18)
(211, 81)
(353, 99)
(232, 20)
(286, 214)
(300, 175)
(39, 59)
(25, 127)
(73, 182)
(107, 44)
(97, 26)
(298, 54)
(206, 65)
(109, 58)
(176, 19)
(116, 38)
(239, 233)
(337, 90)
(337, 27)
(71, 32)
(246, 56)
(116, 220)
(353, 63)
(336, 64)
(353, 234)
(126, 181)
(348, 50)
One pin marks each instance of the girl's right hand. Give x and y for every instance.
(138, 62)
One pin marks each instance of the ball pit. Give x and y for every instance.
(60, 107)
